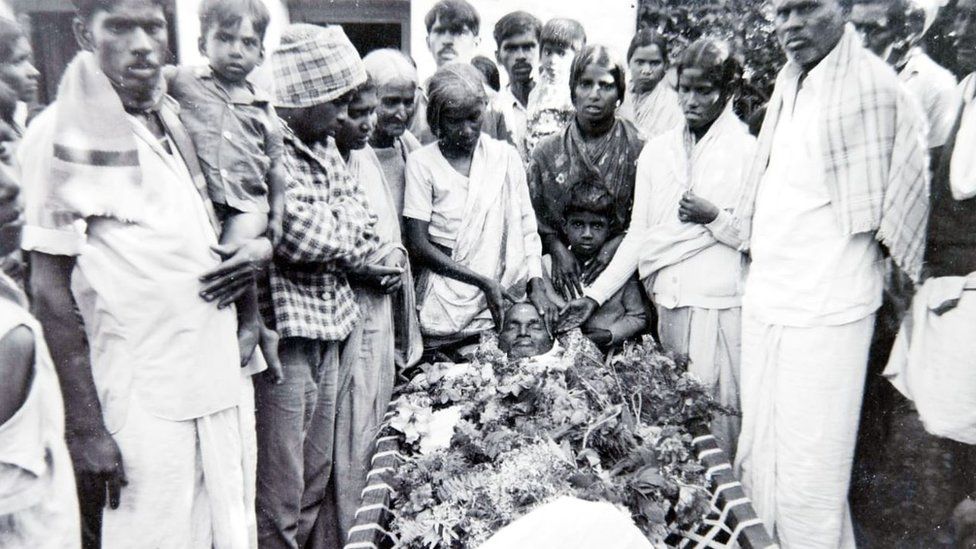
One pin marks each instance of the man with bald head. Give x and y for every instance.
(840, 173)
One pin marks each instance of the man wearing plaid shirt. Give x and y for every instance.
(327, 235)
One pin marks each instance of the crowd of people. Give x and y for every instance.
(228, 279)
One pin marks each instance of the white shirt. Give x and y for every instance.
(437, 196)
(805, 271)
(137, 287)
(935, 89)
(715, 168)
(516, 116)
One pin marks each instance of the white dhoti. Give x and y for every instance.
(801, 398)
(711, 339)
(195, 476)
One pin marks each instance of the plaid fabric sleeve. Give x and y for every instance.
(323, 225)
(344, 184)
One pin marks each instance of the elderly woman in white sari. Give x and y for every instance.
(469, 219)
(693, 279)
(651, 102)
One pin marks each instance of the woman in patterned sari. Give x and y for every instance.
(596, 147)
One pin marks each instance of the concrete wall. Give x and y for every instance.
(607, 22)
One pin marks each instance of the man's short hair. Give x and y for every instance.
(589, 197)
(84, 9)
(229, 13)
(455, 15)
(563, 33)
(648, 37)
(600, 56)
(515, 23)
(896, 11)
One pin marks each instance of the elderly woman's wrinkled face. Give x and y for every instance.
(460, 125)
(595, 94)
(524, 333)
(395, 108)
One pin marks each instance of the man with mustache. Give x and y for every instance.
(517, 35)
(840, 178)
(130, 287)
(452, 35)
(932, 363)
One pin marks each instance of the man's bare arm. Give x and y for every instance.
(93, 450)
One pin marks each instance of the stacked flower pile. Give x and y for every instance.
(487, 442)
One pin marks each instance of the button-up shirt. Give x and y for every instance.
(236, 134)
(328, 229)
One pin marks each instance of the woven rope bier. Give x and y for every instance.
(731, 523)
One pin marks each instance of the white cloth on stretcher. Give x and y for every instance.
(933, 362)
(571, 523)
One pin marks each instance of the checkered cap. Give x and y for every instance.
(314, 65)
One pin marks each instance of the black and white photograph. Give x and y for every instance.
(487, 274)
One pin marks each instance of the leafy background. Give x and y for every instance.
(746, 24)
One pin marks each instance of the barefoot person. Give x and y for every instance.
(150, 369)
(236, 135)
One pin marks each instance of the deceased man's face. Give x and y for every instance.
(524, 332)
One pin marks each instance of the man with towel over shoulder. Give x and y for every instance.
(120, 229)
(841, 177)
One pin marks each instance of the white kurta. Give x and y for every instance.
(808, 315)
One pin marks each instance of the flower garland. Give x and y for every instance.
(487, 442)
